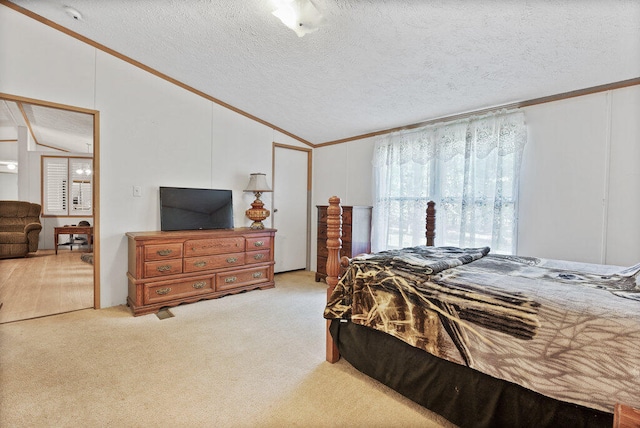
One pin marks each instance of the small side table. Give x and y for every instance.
(73, 230)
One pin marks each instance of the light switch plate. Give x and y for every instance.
(137, 191)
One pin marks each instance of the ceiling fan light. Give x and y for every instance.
(287, 14)
(299, 15)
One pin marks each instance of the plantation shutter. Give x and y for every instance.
(55, 186)
(67, 186)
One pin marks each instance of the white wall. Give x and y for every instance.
(9, 148)
(579, 186)
(152, 133)
(580, 183)
(622, 234)
(8, 186)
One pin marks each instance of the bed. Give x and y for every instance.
(485, 339)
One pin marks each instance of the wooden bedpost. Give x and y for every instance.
(334, 244)
(431, 223)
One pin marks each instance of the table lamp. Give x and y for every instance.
(258, 185)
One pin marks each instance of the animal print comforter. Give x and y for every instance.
(567, 330)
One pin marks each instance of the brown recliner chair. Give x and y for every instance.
(19, 228)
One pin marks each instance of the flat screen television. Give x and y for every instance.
(195, 209)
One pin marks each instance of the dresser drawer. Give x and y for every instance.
(162, 268)
(168, 291)
(195, 264)
(258, 243)
(257, 256)
(344, 251)
(162, 251)
(346, 215)
(345, 235)
(205, 247)
(322, 265)
(322, 231)
(231, 280)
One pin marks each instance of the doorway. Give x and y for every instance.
(291, 201)
(27, 284)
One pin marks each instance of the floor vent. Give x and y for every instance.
(164, 313)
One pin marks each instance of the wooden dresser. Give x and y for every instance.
(626, 416)
(170, 268)
(356, 234)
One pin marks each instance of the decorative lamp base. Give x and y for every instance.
(257, 213)
(256, 225)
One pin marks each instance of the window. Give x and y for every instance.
(470, 168)
(67, 186)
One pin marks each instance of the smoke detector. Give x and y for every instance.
(74, 13)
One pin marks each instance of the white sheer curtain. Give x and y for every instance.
(471, 169)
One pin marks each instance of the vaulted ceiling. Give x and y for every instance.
(49, 127)
(372, 64)
(55, 128)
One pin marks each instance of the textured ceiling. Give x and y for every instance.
(52, 127)
(373, 64)
(8, 116)
(66, 130)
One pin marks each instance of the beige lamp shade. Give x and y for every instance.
(258, 183)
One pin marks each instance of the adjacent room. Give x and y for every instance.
(179, 182)
(58, 146)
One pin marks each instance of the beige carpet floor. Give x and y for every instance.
(251, 360)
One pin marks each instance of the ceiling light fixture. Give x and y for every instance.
(299, 15)
(83, 171)
(8, 165)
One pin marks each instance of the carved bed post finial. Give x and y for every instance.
(334, 244)
(431, 223)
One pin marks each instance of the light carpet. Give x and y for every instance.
(254, 359)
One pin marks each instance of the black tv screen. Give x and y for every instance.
(194, 209)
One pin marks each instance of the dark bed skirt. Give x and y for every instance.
(462, 395)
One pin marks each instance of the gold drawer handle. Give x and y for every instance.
(258, 257)
(164, 252)
(232, 259)
(200, 264)
(202, 247)
(259, 243)
(163, 268)
(199, 284)
(257, 275)
(162, 291)
(230, 279)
